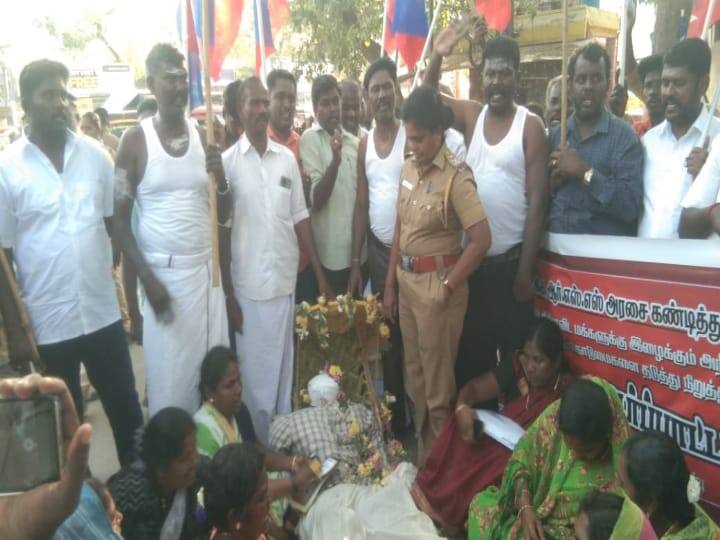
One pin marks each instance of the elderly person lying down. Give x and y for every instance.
(360, 498)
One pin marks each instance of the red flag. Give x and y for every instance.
(697, 18)
(225, 18)
(227, 22)
(497, 13)
(389, 37)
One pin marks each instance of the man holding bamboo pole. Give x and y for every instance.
(162, 167)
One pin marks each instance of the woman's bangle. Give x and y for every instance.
(520, 492)
(292, 463)
(461, 407)
(524, 507)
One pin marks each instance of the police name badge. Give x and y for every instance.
(285, 182)
(407, 185)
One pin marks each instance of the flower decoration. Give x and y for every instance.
(336, 373)
(694, 489)
(313, 320)
(354, 428)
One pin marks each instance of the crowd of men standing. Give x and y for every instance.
(324, 212)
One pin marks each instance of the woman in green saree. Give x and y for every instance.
(606, 516)
(654, 474)
(571, 449)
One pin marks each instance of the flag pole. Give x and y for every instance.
(716, 95)
(261, 36)
(708, 16)
(36, 362)
(416, 79)
(210, 135)
(384, 29)
(564, 75)
(623, 42)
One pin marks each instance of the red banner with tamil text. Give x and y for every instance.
(653, 330)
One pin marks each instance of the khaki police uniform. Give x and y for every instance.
(434, 209)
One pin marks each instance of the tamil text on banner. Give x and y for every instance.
(645, 315)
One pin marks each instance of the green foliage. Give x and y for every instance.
(343, 36)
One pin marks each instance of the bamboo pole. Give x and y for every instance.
(564, 81)
(713, 108)
(623, 43)
(209, 122)
(36, 362)
(384, 29)
(261, 37)
(706, 23)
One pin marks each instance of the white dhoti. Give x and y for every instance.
(174, 352)
(265, 351)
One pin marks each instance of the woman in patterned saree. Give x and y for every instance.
(572, 448)
(459, 466)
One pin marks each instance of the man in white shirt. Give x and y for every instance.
(674, 153)
(701, 205)
(56, 192)
(161, 170)
(260, 259)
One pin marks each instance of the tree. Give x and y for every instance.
(76, 40)
(668, 15)
(344, 35)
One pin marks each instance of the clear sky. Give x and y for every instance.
(133, 26)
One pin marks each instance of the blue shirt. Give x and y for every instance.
(613, 201)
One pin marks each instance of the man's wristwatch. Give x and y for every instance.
(587, 176)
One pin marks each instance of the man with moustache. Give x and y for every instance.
(596, 176)
(56, 191)
(650, 72)
(553, 102)
(674, 153)
(381, 154)
(329, 158)
(351, 107)
(260, 261)
(161, 167)
(507, 150)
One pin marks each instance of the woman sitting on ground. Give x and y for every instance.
(654, 474)
(571, 449)
(237, 499)
(224, 419)
(459, 466)
(606, 516)
(157, 495)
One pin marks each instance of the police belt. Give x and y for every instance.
(421, 265)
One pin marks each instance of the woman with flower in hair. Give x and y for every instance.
(654, 474)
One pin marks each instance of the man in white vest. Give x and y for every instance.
(508, 153)
(161, 168)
